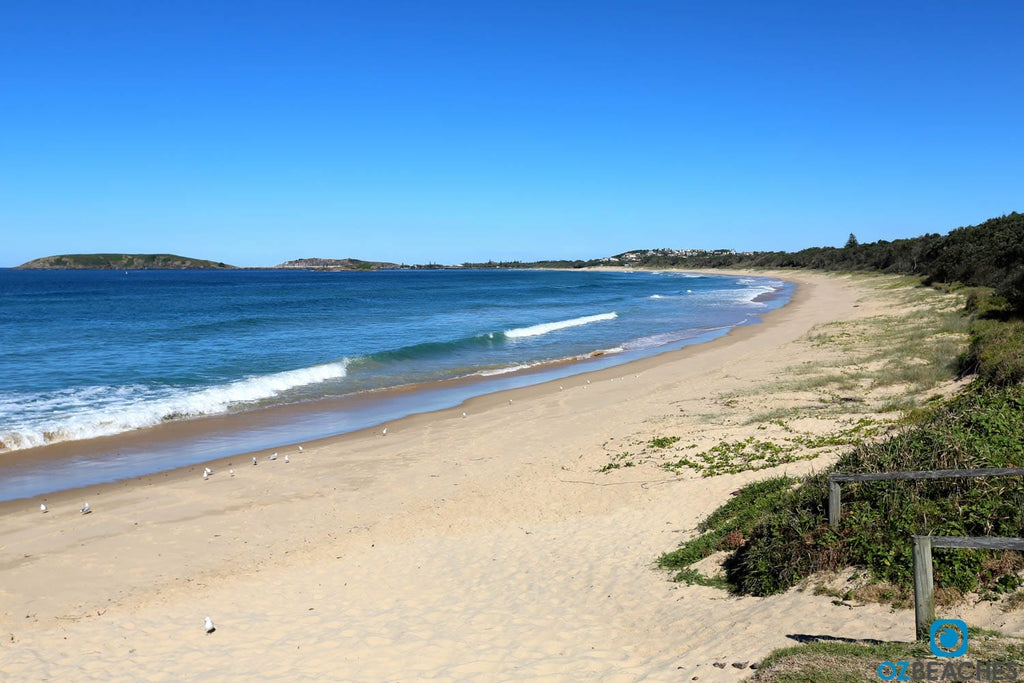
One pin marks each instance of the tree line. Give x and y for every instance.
(987, 255)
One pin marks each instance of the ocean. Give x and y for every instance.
(89, 356)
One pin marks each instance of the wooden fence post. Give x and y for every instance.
(924, 586)
(835, 502)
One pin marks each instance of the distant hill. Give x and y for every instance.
(121, 262)
(337, 264)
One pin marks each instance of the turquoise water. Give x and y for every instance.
(85, 354)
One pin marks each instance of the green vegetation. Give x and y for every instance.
(838, 661)
(789, 539)
(784, 530)
(751, 454)
(996, 352)
(121, 262)
(338, 264)
(976, 429)
(775, 533)
(987, 255)
(745, 455)
(727, 528)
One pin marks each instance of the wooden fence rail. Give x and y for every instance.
(835, 503)
(924, 585)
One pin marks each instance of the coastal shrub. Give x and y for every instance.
(786, 537)
(980, 428)
(727, 527)
(996, 352)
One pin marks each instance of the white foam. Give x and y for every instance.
(92, 412)
(748, 294)
(658, 340)
(544, 328)
(506, 370)
(676, 273)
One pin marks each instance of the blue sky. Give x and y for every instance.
(258, 132)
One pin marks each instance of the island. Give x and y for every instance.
(336, 264)
(122, 262)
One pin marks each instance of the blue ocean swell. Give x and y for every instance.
(87, 353)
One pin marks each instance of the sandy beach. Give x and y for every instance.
(485, 546)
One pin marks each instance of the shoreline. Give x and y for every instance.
(489, 547)
(204, 439)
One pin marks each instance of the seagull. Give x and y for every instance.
(300, 449)
(208, 625)
(273, 456)
(85, 509)
(286, 458)
(207, 471)
(254, 460)
(588, 381)
(231, 472)
(510, 401)
(384, 432)
(42, 507)
(463, 413)
(559, 387)
(206, 475)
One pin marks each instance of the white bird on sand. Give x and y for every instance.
(206, 475)
(559, 387)
(207, 471)
(254, 460)
(273, 456)
(286, 458)
(510, 401)
(300, 449)
(208, 625)
(463, 413)
(42, 507)
(384, 432)
(85, 509)
(231, 472)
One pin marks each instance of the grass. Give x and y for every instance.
(780, 529)
(977, 429)
(838, 661)
(752, 454)
(726, 528)
(996, 352)
(777, 531)
(789, 540)
(914, 354)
